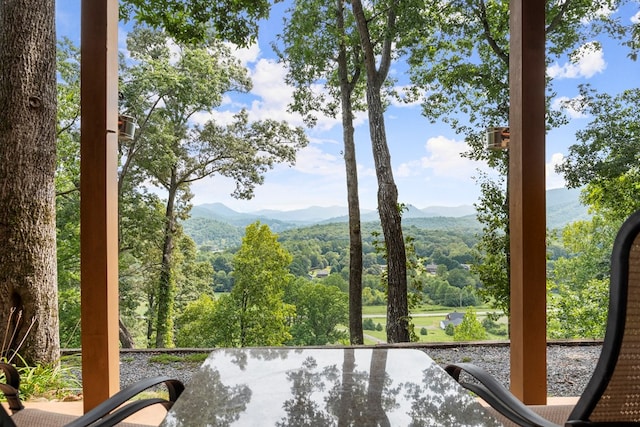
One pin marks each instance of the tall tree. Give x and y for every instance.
(254, 313)
(377, 69)
(330, 53)
(320, 308)
(28, 278)
(173, 153)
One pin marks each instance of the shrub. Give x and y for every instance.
(470, 329)
(450, 329)
(423, 331)
(49, 381)
(368, 325)
(494, 327)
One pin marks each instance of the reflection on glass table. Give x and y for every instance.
(324, 387)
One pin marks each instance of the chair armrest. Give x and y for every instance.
(11, 388)
(129, 409)
(497, 396)
(111, 411)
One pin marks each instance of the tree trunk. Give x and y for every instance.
(28, 278)
(166, 285)
(151, 317)
(126, 340)
(355, 235)
(390, 218)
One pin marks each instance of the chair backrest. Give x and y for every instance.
(5, 419)
(613, 393)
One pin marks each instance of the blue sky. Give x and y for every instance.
(428, 168)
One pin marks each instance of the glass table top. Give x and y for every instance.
(324, 387)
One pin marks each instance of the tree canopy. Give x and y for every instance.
(191, 20)
(254, 313)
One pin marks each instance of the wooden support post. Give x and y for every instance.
(99, 200)
(527, 213)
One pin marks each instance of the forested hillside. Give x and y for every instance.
(216, 227)
(321, 252)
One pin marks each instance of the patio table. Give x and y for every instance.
(324, 387)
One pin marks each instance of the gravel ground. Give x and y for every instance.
(569, 366)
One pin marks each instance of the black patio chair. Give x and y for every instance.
(109, 413)
(612, 396)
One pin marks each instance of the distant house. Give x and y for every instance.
(453, 318)
(323, 273)
(431, 268)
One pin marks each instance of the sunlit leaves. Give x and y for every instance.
(191, 20)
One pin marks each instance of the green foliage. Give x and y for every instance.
(193, 20)
(493, 327)
(461, 60)
(254, 313)
(423, 331)
(195, 326)
(51, 382)
(41, 380)
(319, 310)
(163, 91)
(69, 313)
(579, 283)
(605, 159)
(368, 324)
(373, 297)
(491, 261)
(212, 235)
(579, 313)
(450, 329)
(470, 329)
(193, 274)
(67, 192)
(336, 280)
(166, 359)
(197, 358)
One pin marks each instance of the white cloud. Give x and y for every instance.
(635, 19)
(312, 160)
(554, 179)
(408, 169)
(273, 96)
(268, 78)
(587, 61)
(246, 55)
(175, 52)
(570, 105)
(445, 159)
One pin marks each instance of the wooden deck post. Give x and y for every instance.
(527, 211)
(99, 200)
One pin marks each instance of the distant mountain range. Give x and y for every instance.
(317, 214)
(563, 207)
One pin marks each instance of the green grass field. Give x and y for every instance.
(428, 317)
